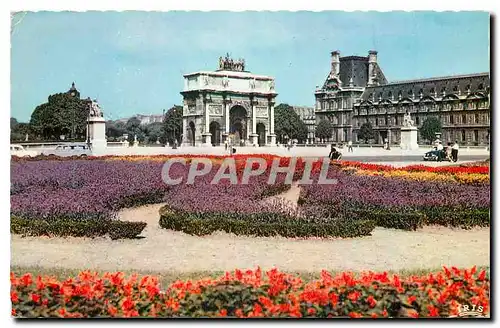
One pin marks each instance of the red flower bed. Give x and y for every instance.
(418, 168)
(252, 293)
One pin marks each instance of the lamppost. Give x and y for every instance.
(174, 111)
(164, 132)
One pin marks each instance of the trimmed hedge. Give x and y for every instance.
(75, 228)
(394, 220)
(464, 219)
(261, 224)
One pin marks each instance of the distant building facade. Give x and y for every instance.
(145, 119)
(307, 116)
(356, 91)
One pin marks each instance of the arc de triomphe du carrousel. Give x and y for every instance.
(228, 104)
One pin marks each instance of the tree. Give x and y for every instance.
(133, 124)
(366, 132)
(61, 115)
(154, 132)
(287, 123)
(172, 124)
(115, 130)
(18, 130)
(134, 130)
(324, 130)
(430, 127)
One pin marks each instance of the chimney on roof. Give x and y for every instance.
(335, 63)
(372, 60)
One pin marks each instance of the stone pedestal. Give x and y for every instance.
(273, 139)
(409, 138)
(96, 132)
(136, 144)
(207, 139)
(254, 139)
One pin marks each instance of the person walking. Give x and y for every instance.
(448, 152)
(334, 153)
(225, 144)
(439, 149)
(454, 151)
(349, 146)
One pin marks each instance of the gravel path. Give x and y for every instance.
(164, 250)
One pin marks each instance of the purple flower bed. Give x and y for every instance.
(96, 190)
(82, 189)
(380, 192)
(202, 196)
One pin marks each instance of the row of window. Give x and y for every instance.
(445, 119)
(432, 91)
(336, 104)
(426, 107)
(463, 136)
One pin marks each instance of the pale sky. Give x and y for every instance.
(133, 62)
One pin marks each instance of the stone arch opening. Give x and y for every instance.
(215, 130)
(261, 131)
(238, 124)
(191, 133)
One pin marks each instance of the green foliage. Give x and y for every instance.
(18, 130)
(366, 132)
(465, 219)
(154, 132)
(261, 224)
(324, 130)
(172, 124)
(392, 220)
(287, 123)
(430, 127)
(64, 227)
(61, 115)
(115, 130)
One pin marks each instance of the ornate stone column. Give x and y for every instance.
(254, 136)
(226, 118)
(271, 123)
(207, 136)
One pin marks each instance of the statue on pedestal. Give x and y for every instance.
(407, 121)
(95, 109)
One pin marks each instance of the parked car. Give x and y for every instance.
(433, 155)
(18, 150)
(66, 150)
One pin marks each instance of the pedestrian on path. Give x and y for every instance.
(349, 146)
(440, 151)
(454, 151)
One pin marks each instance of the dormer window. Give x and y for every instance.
(400, 95)
(443, 91)
(390, 95)
(455, 88)
(481, 86)
(421, 93)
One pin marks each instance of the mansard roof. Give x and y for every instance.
(429, 88)
(356, 67)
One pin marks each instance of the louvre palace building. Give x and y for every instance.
(356, 91)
